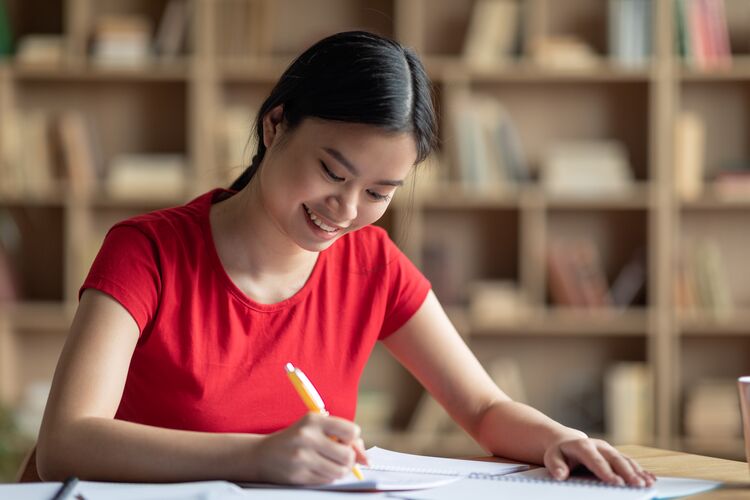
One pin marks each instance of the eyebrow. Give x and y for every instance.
(355, 171)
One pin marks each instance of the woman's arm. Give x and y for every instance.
(432, 350)
(79, 435)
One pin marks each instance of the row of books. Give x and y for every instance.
(702, 282)
(128, 40)
(702, 33)
(630, 31)
(577, 277)
(488, 146)
(491, 157)
(728, 180)
(41, 150)
(116, 40)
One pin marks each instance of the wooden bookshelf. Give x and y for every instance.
(236, 49)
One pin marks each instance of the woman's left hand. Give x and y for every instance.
(598, 456)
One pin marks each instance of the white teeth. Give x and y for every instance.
(319, 223)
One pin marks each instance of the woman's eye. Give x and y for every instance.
(331, 174)
(378, 196)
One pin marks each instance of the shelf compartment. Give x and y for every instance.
(38, 262)
(593, 111)
(566, 385)
(566, 322)
(462, 247)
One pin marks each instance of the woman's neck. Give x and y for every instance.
(250, 243)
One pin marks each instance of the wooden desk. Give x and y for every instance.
(677, 464)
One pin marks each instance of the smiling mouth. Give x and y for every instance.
(322, 225)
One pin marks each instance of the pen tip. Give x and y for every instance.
(289, 368)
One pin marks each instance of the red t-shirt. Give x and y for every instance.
(209, 358)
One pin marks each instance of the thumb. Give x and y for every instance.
(555, 463)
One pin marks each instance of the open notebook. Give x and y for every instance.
(393, 471)
(535, 484)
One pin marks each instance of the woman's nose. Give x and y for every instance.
(343, 206)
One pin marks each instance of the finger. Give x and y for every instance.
(359, 451)
(332, 449)
(647, 476)
(344, 430)
(555, 463)
(325, 471)
(622, 466)
(589, 455)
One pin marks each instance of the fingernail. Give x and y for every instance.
(558, 473)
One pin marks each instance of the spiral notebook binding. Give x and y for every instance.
(591, 483)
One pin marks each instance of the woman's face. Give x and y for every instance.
(325, 178)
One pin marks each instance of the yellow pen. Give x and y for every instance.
(311, 398)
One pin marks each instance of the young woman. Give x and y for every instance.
(174, 366)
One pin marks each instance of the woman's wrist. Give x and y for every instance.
(241, 462)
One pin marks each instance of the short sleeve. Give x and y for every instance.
(127, 269)
(407, 289)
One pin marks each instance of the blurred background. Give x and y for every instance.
(584, 220)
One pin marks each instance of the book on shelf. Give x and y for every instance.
(701, 282)
(629, 23)
(630, 282)
(628, 399)
(493, 33)
(150, 176)
(711, 409)
(27, 166)
(78, 150)
(171, 34)
(689, 154)
(564, 53)
(490, 155)
(590, 168)
(575, 274)
(122, 40)
(703, 34)
(495, 302)
(41, 50)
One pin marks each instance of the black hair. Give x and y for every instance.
(355, 77)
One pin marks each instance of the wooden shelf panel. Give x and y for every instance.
(453, 69)
(707, 324)
(158, 71)
(562, 322)
(712, 201)
(739, 71)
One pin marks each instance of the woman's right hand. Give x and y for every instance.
(317, 449)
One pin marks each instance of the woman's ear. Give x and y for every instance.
(272, 125)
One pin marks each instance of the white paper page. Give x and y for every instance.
(203, 490)
(381, 459)
(481, 489)
(675, 487)
(29, 491)
(388, 481)
(666, 487)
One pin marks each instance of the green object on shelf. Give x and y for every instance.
(6, 36)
